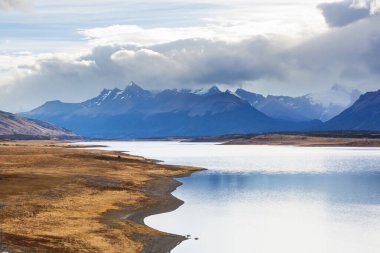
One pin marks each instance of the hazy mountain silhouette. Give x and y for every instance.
(135, 112)
(364, 114)
(322, 106)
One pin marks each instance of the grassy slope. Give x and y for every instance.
(14, 126)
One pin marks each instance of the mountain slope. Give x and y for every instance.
(12, 125)
(135, 113)
(364, 114)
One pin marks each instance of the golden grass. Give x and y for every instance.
(54, 199)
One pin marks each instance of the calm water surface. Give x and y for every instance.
(271, 198)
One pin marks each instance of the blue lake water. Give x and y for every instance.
(271, 198)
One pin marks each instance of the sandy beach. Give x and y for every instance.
(54, 198)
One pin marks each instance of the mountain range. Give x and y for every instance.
(135, 112)
(322, 106)
(138, 113)
(14, 126)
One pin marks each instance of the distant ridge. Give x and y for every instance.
(364, 114)
(138, 113)
(323, 106)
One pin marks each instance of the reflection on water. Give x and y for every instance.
(277, 213)
(353, 188)
(272, 199)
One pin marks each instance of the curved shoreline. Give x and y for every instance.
(168, 203)
(96, 200)
(161, 188)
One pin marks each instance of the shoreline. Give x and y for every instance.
(168, 203)
(304, 141)
(162, 189)
(142, 188)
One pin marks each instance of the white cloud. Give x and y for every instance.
(295, 21)
(15, 4)
(265, 64)
(135, 35)
(269, 47)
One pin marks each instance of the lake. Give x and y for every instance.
(271, 198)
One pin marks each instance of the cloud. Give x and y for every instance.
(180, 64)
(15, 4)
(350, 46)
(348, 55)
(54, 23)
(372, 54)
(217, 30)
(339, 14)
(231, 21)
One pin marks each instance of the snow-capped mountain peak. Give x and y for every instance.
(132, 90)
(213, 91)
(105, 95)
(207, 91)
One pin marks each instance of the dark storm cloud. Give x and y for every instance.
(354, 47)
(343, 13)
(372, 55)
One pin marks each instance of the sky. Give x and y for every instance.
(70, 50)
